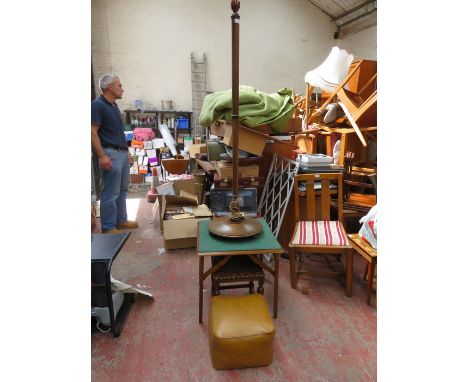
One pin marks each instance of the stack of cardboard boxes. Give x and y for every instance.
(181, 210)
(145, 158)
(249, 141)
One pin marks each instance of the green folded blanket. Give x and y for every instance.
(255, 108)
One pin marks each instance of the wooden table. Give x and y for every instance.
(210, 170)
(210, 245)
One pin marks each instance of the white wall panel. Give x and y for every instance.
(148, 44)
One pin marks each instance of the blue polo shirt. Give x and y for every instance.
(107, 115)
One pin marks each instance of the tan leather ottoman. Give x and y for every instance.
(241, 332)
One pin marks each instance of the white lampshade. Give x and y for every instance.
(332, 71)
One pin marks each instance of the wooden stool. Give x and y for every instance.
(241, 332)
(237, 269)
(369, 253)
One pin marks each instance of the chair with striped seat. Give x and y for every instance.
(315, 233)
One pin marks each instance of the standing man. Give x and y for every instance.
(109, 142)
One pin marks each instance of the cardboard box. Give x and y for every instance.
(224, 170)
(295, 125)
(189, 186)
(197, 149)
(185, 192)
(181, 233)
(137, 178)
(137, 144)
(249, 140)
(147, 145)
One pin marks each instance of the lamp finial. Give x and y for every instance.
(235, 5)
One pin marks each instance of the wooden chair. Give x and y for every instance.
(317, 233)
(360, 103)
(360, 112)
(356, 201)
(370, 255)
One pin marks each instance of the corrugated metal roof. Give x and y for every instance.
(350, 16)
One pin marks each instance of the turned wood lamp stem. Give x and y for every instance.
(235, 19)
(235, 225)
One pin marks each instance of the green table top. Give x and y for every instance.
(264, 241)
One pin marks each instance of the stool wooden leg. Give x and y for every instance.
(370, 280)
(260, 289)
(364, 277)
(201, 265)
(251, 287)
(292, 268)
(215, 291)
(349, 272)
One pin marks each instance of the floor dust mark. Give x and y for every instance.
(161, 251)
(364, 368)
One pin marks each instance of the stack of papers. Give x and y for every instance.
(315, 160)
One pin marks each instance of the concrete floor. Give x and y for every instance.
(320, 336)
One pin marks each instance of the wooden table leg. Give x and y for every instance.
(364, 277)
(370, 280)
(328, 146)
(292, 268)
(349, 272)
(275, 299)
(201, 266)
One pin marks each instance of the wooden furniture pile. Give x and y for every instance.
(357, 96)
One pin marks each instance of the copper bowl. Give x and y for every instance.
(175, 166)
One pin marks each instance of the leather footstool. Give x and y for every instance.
(241, 332)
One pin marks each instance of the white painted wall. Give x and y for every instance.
(147, 43)
(362, 44)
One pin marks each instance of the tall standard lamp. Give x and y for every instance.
(235, 225)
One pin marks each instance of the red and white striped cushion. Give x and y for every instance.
(319, 233)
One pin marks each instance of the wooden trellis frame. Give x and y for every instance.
(277, 191)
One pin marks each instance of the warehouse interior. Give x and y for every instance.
(175, 148)
(248, 245)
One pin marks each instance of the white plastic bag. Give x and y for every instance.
(336, 151)
(368, 230)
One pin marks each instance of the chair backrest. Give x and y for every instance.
(353, 69)
(354, 179)
(322, 185)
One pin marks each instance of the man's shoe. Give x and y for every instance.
(129, 224)
(113, 230)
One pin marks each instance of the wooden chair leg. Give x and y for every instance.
(215, 289)
(292, 268)
(349, 272)
(364, 277)
(251, 287)
(260, 289)
(370, 280)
